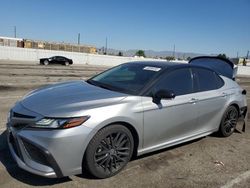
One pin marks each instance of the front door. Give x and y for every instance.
(173, 119)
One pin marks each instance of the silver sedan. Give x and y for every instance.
(129, 110)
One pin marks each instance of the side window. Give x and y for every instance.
(179, 81)
(206, 80)
(60, 58)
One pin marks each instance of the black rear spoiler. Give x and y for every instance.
(222, 66)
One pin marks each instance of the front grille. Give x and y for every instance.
(35, 153)
(19, 121)
(17, 115)
(13, 142)
(19, 126)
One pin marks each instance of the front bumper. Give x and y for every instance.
(49, 153)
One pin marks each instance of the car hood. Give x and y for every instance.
(69, 98)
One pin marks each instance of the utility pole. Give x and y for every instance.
(15, 31)
(247, 54)
(79, 38)
(174, 52)
(106, 45)
(237, 54)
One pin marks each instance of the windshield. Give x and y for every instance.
(127, 78)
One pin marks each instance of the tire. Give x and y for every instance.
(46, 62)
(229, 121)
(109, 151)
(66, 63)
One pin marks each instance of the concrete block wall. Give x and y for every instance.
(25, 54)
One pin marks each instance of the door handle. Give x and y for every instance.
(193, 100)
(224, 94)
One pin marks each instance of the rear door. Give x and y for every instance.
(211, 98)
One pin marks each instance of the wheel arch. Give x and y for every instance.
(236, 106)
(131, 128)
(225, 132)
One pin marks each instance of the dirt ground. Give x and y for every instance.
(208, 162)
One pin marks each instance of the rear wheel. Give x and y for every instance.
(229, 121)
(109, 151)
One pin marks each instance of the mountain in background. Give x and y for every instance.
(154, 54)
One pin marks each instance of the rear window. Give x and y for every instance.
(206, 80)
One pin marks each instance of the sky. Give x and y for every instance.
(200, 26)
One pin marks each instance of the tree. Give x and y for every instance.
(120, 54)
(169, 58)
(188, 58)
(222, 56)
(140, 53)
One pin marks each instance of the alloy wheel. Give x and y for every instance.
(113, 152)
(230, 120)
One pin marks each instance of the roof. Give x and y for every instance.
(161, 64)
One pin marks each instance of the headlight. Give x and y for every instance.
(9, 116)
(60, 123)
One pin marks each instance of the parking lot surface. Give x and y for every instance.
(211, 161)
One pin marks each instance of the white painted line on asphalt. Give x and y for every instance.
(6, 97)
(240, 178)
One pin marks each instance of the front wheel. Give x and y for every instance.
(46, 62)
(109, 151)
(229, 121)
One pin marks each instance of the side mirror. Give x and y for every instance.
(163, 94)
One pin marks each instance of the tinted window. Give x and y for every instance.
(60, 58)
(207, 79)
(179, 81)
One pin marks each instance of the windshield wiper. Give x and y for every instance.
(99, 84)
(106, 86)
(91, 82)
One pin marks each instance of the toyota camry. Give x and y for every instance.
(135, 108)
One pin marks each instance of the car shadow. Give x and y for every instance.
(22, 175)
